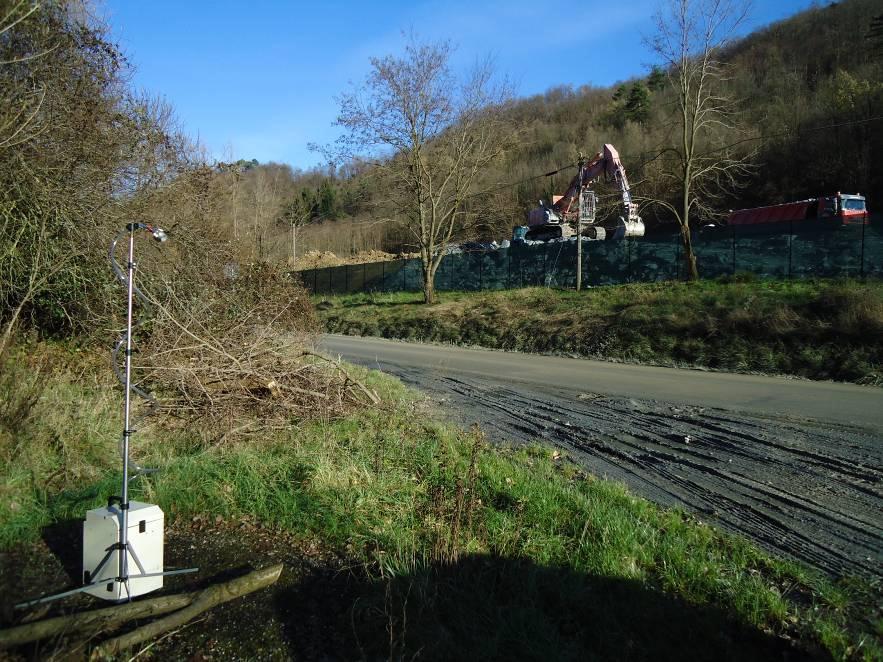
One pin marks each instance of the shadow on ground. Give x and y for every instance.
(493, 608)
(378, 304)
(65, 540)
(324, 607)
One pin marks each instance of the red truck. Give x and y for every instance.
(834, 210)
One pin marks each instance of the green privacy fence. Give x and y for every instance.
(816, 252)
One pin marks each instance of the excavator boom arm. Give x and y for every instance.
(564, 210)
(606, 163)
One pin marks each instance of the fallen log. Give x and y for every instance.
(97, 620)
(205, 600)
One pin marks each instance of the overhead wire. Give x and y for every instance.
(656, 154)
(798, 132)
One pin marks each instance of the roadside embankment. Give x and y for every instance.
(456, 548)
(826, 329)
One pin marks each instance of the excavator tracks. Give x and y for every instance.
(800, 488)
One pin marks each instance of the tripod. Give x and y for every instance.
(122, 546)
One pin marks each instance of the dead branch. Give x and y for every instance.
(97, 620)
(210, 597)
(370, 393)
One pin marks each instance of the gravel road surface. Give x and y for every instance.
(795, 465)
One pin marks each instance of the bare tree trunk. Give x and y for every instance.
(428, 282)
(10, 327)
(92, 622)
(689, 255)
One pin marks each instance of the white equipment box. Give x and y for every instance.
(101, 531)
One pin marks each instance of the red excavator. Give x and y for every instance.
(550, 222)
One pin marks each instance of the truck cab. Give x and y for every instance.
(850, 209)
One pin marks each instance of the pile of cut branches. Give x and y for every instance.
(237, 357)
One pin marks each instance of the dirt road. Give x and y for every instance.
(796, 466)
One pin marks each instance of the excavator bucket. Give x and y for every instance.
(634, 227)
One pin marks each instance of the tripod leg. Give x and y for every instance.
(103, 562)
(135, 558)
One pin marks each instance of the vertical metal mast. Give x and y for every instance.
(127, 431)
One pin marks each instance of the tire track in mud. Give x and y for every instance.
(801, 488)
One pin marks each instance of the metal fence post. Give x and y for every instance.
(677, 257)
(862, 265)
(545, 282)
(629, 248)
(733, 237)
(790, 240)
(509, 266)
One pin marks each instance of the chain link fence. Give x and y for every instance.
(851, 251)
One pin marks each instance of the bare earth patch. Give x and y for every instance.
(296, 618)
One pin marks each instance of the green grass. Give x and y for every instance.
(815, 329)
(472, 550)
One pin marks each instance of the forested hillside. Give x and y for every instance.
(806, 90)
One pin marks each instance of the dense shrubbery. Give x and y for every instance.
(80, 156)
(78, 151)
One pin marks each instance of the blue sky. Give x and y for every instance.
(258, 79)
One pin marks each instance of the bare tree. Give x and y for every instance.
(295, 215)
(20, 100)
(690, 35)
(63, 133)
(263, 198)
(32, 252)
(431, 136)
